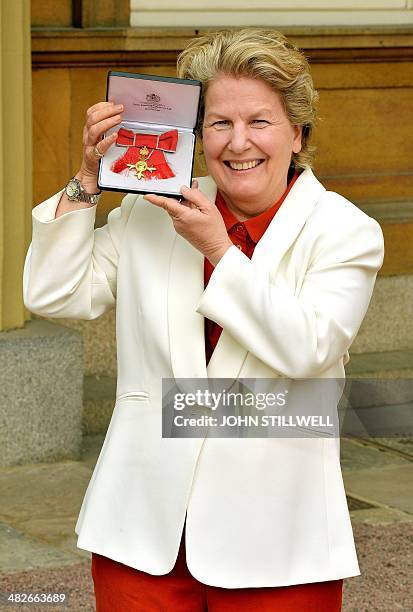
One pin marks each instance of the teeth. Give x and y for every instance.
(244, 165)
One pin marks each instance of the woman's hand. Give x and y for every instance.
(99, 119)
(197, 220)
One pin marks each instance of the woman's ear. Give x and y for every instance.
(297, 138)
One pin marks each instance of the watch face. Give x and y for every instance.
(72, 189)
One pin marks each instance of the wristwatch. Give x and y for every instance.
(77, 193)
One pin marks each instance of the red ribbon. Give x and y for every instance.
(155, 143)
(156, 160)
(163, 142)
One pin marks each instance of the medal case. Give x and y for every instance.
(154, 151)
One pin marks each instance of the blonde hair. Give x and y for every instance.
(261, 54)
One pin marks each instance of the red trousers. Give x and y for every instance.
(119, 588)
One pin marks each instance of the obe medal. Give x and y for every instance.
(141, 165)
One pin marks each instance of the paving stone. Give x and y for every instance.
(391, 486)
(356, 455)
(73, 581)
(404, 445)
(43, 501)
(20, 552)
(380, 516)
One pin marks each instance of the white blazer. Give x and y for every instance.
(260, 512)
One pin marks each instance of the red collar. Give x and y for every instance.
(256, 226)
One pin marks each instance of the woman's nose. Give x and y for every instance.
(239, 139)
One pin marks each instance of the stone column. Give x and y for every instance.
(15, 158)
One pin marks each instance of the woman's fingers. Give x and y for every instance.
(104, 109)
(102, 146)
(98, 116)
(196, 197)
(94, 132)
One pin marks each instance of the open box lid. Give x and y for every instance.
(154, 99)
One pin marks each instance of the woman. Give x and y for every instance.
(258, 273)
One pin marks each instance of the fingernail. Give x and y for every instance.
(184, 188)
(119, 107)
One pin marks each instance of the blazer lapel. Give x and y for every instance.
(186, 285)
(289, 220)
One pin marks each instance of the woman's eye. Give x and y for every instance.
(221, 124)
(260, 122)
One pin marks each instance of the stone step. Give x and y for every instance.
(98, 401)
(41, 393)
(381, 379)
(378, 397)
(388, 324)
(99, 343)
(387, 364)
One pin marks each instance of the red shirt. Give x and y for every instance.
(245, 235)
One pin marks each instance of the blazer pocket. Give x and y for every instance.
(133, 395)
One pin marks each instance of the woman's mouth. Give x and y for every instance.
(239, 166)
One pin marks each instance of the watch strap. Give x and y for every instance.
(90, 198)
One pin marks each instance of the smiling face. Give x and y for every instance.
(248, 143)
